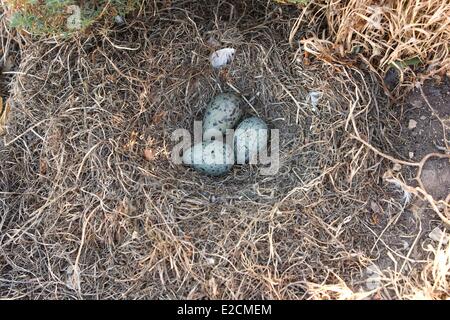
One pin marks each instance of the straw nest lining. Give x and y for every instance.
(93, 206)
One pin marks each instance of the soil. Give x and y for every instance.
(425, 130)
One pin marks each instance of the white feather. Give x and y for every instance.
(407, 196)
(222, 57)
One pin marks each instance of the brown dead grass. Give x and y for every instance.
(384, 34)
(430, 283)
(86, 212)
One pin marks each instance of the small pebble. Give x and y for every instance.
(438, 235)
(119, 20)
(412, 124)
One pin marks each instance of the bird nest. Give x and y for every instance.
(93, 206)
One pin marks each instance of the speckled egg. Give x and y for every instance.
(214, 158)
(250, 138)
(222, 113)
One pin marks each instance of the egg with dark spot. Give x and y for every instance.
(250, 139)
(213, 158)
(222, 113)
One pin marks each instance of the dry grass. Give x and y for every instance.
(383, 34)
(87, 213)
(430, 283)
